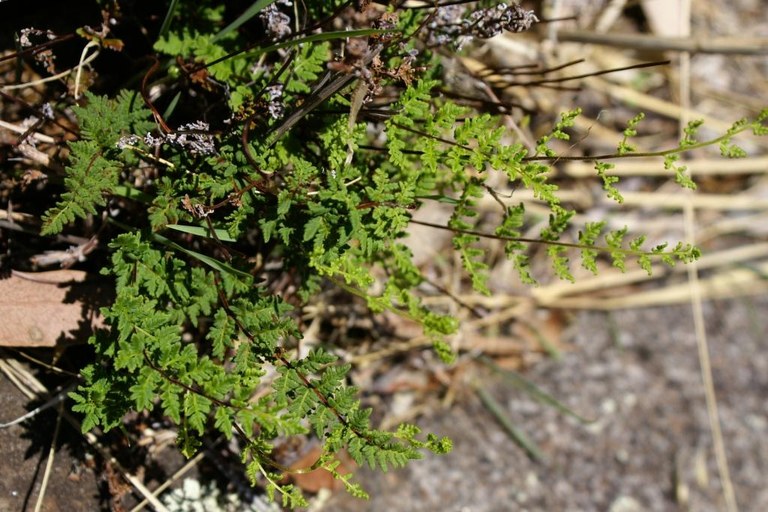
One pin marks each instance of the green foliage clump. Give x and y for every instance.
(198, 328)
(95, 163)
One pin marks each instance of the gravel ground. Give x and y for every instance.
(636, 372)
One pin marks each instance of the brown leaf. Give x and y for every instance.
(320, 478)
(45, 309)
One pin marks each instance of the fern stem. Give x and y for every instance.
(186, 387)
(572, 245)
(557, 158)
(550, 81)
(642, 154)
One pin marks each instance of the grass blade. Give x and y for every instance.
(132, 193)
(534, 391)
(168, 19)
(221, 234)
(517, 435)
(323, 36)
(249, 13)
(215, 264)
(172, 106)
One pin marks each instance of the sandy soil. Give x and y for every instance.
(635, 372)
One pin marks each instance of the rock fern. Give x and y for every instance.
(199, 330)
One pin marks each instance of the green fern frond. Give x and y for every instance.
(471, 257)
(630, 131)
(94, 164)
(104, 120)
(587, 239)
(206, 323)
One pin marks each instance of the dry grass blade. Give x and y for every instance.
(110, 459)
(667, 201)
(555, 293)
(517, 435)
(698, 167)
(696, 298)
(194, 461)
(22, 379)
(33, 388)
(726, 284)
(719, 45)
(648, 103)
(49, 463)
(57, 399)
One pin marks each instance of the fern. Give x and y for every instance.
(202, 47)
(624, 148)
(311, 62)
(100, 117)
(200, 329)
(471, 257)
(587, 239)
(510, 229)
(95, 161)
(611, 191)
(90, 177)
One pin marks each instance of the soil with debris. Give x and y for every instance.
(636, 373)
(24, 452)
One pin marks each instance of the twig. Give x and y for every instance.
(706, 370)
(549, 82)
(16, 216)
(698, 167)
(178, 474)
(55, 77)
(49, 463)
(509, 120)
(646, 102)
(66, 258)
(720, 45)
(49, 367)
(59, 397)
(18, 129)
(37, 48)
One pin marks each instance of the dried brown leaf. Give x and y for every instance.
(44, 309)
